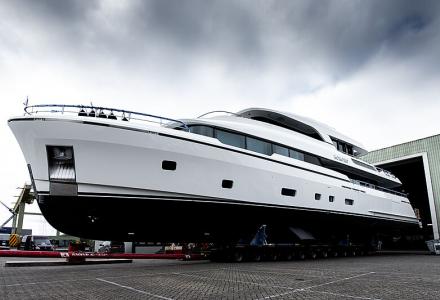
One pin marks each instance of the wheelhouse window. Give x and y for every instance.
(258, 146)
(343, 146)
(202, 130)
(230, 138)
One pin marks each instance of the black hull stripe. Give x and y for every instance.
(181, 138)
(231, 202)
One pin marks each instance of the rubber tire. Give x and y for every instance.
(238, 256)
(257, 257)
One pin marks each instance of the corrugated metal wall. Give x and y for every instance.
(430, 145)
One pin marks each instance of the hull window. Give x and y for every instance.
(349, 201)
(331, 198)
(227, 184)
(317, 196)
(288, 192)
(169, 165)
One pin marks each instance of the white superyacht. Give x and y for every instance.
(111, 174)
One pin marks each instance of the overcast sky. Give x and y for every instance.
(371, 69)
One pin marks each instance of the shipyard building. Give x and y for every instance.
(417, 165)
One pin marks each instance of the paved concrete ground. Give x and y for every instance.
(374, 277)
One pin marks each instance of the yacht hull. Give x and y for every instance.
(123, 189)
(194, 220)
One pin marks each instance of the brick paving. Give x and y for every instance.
(405, 276)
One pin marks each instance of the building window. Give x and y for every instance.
(349, 202)
(227, 184)
(317, 196)
(288, 192)
(230, 138)
(169, 165)
(331, 198)
(258, 146)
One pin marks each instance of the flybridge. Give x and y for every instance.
(103, 113)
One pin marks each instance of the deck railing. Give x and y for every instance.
(92, 111)
(385, 171)
(379, 188)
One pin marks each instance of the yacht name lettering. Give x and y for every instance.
(151, 132)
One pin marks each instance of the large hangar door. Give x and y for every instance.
(411, 172)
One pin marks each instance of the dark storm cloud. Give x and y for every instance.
(335, 38)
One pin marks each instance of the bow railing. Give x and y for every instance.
(92, 111)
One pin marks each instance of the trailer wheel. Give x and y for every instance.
(238, 256)
(324, 254)
(290, 256)
(274, 256)
(301, 256)
(257, 257)
(313, 255)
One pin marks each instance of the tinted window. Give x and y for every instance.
(280, 150)
(230, 138)
(295, 154)
(202, 130)
(41, 241)
(312, 159)
(365, 165)
(258, 146)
